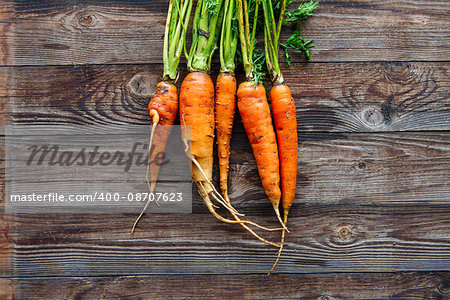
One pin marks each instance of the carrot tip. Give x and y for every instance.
(278, 254)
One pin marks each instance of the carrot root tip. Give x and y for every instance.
(216, 194)
(243, 223)
(151, 186)
(277, 212)
(281, 243)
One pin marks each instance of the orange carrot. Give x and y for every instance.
(283, 105)
(255, 114)
(225, 107)
(162, 108)
(284, 115)
(197, 111)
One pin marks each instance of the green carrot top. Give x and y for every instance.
(247, 36)
(229, 37)
(205, 33)
(175, 36)
(272, 30)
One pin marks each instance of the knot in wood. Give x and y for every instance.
(361, 165)
(444, 288)
(345, 233)
(86, 19)
(142, 85)
(372, 117)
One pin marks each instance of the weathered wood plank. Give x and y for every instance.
(6, 17)
(8, 288)
(103, 32)
(392, 168)
(373, 168)
(4, 81)
(355, 97)
(305, 286)
(6, 243)
(323, 238)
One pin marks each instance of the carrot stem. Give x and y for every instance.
(205, 34)
(255, 22)
(247, 37)
(272, 40)
(228, 39)
(177, 20)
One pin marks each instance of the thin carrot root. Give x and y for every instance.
(151, 186)
(281, 244)
(277, 212)
(208, 203)
(215, 194)
(255, 234)
(256, 225)
(252, 223)
(155, 120)
(218, 196)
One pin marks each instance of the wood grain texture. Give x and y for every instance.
(370, 168)
(323, 238)
(355, 168)
(433, 285)
(6, 245)
(340, 160)
(355, 97)
(370, 219)
(104, 32)
(8, 288)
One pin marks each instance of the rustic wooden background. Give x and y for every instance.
(372, 213)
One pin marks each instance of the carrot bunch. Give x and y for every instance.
(225, 102)
(206, 112)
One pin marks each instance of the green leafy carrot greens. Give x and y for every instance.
(163, 106)
(295, 41)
